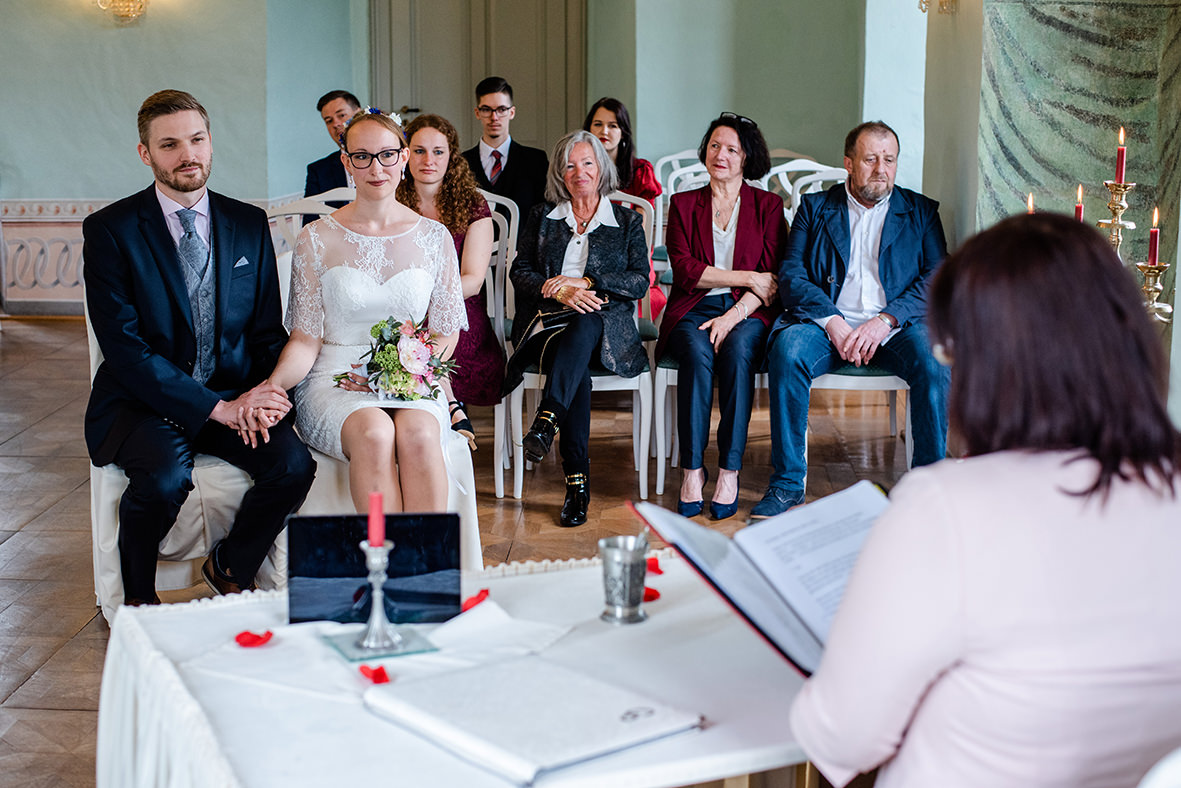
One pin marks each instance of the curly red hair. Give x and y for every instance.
(458, 194)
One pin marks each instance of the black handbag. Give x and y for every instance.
(533, 347)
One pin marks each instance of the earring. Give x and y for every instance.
(941, 355)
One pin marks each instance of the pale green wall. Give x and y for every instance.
(611, 55)
(893, 89)
(73, 81)
(309, 52)
(793, 65)
(950, 170)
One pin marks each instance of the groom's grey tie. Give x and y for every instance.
(195, 258)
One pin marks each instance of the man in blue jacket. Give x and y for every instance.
(336, 108)
(854, 291)
(183, 296)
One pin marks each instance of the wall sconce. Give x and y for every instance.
(945, 6)
(124, 11)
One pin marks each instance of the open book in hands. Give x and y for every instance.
(785, 575)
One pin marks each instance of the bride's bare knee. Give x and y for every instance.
(368, 433)
(418, 432)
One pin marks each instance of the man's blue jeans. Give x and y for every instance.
(798, 353)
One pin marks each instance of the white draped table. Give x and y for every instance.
(184, 706)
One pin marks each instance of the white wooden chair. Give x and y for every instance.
(288, 223)
(815, 182)
(780, 179)
(664, 167)
(504, 250)
(640, 385)
(847, 378)
(330, 491)
(204, 519)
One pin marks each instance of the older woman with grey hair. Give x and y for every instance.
(586, 259)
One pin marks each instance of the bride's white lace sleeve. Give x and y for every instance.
(446, 313)
(306, 310)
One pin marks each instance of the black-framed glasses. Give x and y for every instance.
(485, 111)
(737, 117)
(362, 160)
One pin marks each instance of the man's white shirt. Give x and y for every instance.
(862, 295)
(486, 160)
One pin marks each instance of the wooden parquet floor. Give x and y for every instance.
(52, 639)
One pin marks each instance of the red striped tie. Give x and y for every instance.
(495, 167)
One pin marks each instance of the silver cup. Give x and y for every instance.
(624, 567)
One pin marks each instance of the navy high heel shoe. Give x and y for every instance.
(693, 508)
(721, 511)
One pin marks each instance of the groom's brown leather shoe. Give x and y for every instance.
(217, 583)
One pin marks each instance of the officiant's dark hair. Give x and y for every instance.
(166, 102)
(1051, 350)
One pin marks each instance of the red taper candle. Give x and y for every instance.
(1121, 158)
(376, 520)
(1154, 238)
(1078, 206)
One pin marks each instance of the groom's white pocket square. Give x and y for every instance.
(242, 261)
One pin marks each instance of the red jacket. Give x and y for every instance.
(759, 244)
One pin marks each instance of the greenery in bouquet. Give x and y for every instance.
(402, 362)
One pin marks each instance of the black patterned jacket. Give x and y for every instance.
(618, 263)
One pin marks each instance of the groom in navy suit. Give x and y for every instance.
(854, 289)
(183, 295)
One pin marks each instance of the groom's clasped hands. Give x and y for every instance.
(254, 412)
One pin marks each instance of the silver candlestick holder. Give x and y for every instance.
(379, 638)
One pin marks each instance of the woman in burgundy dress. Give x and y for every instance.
(439, 185)
(610, 121)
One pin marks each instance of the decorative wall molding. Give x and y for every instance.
(48, 210)
(51, 210)
(41, 266)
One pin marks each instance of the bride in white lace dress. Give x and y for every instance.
(367, 261)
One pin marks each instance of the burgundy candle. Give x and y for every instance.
(1121, 158)
(1154, 238)
(1078, 206)
(376, 520)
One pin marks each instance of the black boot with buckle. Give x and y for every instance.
(577, 500)
(540, 437)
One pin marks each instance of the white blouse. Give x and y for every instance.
(724, 245)
(578, 249)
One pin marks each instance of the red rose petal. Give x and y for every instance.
(248, 639)
(651, 594)
(474, 600)
(376, 675)
(654, 566)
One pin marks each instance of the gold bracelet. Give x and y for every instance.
(561, 291)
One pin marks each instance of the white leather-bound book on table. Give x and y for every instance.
(522, 717)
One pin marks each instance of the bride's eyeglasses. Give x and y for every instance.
(388, 157)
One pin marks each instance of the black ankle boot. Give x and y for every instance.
(577, 500)
(540, 437)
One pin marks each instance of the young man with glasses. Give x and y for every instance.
(502, 166)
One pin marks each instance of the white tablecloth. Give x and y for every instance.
(183, 705)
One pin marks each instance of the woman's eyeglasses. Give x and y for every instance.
(388, 157)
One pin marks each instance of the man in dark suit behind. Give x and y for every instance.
(183, 295)
(854, 289)
(336, 108)
(500, 165)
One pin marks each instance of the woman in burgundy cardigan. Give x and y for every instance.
(725, 241)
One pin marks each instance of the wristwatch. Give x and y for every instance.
(887, 319)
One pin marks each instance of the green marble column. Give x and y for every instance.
(1059, 79)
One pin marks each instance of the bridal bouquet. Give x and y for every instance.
(402, 363)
